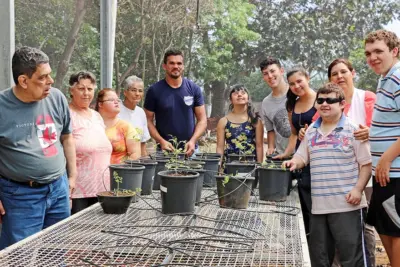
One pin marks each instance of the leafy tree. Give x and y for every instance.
(314, 32)
(69, 36)
(224, 37)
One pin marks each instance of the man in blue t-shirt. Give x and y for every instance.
(177, 105)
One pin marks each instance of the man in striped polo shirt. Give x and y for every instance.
(382, 53)
(340, 169)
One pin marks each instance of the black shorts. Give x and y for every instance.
(377, 215)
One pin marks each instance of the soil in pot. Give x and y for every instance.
(178, 191)
(241, 158)
(211, 168)
(113, 204)
(273, 183)
(131, 174)
(148, 174)
(236, 193)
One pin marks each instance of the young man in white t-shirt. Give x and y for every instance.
(131, 112)
(273, 110)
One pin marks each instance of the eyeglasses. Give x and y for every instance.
(329, 100)
(112, 100)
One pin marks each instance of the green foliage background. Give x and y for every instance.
(223, 40)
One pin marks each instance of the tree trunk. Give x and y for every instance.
(135, 61)
(80, 7)
(218, 100)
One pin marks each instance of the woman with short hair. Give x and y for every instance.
(93, 150)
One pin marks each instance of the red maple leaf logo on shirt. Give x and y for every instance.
(48, 135)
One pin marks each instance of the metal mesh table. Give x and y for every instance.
(266, 234)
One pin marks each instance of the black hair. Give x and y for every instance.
(25, 61)
(269, 61)
(172, 52)
(290, 96)
(254, 116)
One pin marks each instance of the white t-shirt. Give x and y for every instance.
(137, 118)
(357, 108)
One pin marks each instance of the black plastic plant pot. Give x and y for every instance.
(148, 174)
(273, 183)
(112, 204)
(178, 191)
(200, 181)
(132, 175)
(235, 194)
(160, 167)
(208, 155)
(211, 167)
(240, 169)
(242, 158)
(277, 164)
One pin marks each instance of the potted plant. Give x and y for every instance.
(164, 157)
(196, 166)
(116, 201)
(234, 191)
(178, 186)
(148, 173)
(132, 175)
(274, 181)
(244, 162)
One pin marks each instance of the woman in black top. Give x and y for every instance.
(300, 107)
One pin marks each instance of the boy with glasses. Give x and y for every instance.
(340, 169)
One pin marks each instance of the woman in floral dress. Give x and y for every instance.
(241, 130)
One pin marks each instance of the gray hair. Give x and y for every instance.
(25, 61)
(130, 81)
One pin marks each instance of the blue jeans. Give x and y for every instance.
(30, 210)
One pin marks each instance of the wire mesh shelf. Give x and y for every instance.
(265, 234)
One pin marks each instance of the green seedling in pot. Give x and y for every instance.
(272, 165)
(226, 180)
(118, 179)
(174, 162)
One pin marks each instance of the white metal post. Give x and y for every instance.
(108, 16)
(7, 43)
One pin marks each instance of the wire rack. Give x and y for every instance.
(265, 234)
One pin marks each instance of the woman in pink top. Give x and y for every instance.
(359, 103)
(93, 149)
(359, 107)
